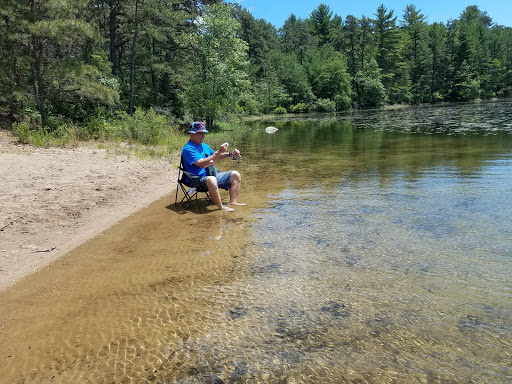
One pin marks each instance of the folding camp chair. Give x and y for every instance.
(189, 192)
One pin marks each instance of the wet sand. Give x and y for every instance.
(120, 306)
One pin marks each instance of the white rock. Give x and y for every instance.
(271, 129)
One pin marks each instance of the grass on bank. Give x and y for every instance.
(145, 134)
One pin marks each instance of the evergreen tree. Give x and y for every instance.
(437, 44)
(415, 49)
(14, 59)
(322, 23)
(387, 35)
(295, 37)
(77, 59)
(351, 36)
(67, 66)
(261, 38)
(365, 41)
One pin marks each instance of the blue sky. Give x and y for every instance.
(277, 11)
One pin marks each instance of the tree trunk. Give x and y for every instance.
(36, 53)
(154, 81)
(132, 60)
(209, 123)
(14, 78)
(433, 75)
(166, 91)
(112, 36)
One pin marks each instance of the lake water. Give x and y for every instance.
(376, 248)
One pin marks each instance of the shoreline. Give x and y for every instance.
(54, 199)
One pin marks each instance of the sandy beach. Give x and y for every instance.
(54, 199)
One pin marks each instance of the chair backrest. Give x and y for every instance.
(183, 174)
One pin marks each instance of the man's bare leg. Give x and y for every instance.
(234, 188)
(213, 190)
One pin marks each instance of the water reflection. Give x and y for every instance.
(376, 249)
(405, 140)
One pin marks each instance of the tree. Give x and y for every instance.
(365, 41)
(107, 12)
(466, 86)
(351, 36)
(387, 44)
(220, 57)
(261, 38)
(295, 37)
(77, 59)
(65, 70)
(472, 47)
(321, 22)
(14, 61)
(327, 73)
(369, 88)
(415, 50)
(269, 94)
(437, 44)
(292, 76)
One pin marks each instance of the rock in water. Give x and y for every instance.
(270, 129)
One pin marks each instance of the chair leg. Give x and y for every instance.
(188, 197)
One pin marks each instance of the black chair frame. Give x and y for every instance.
(189, 192)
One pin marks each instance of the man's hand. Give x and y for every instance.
(235, 153)
(223, 148)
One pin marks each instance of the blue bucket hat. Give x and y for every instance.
(197, 127)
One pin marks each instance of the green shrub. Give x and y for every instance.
(22, 132)
(325, 105)
(279, 111)
(144, 127)
(342, 102)
(251, 107)
(299, 108)
(436, 97)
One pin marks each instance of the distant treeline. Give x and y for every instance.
(85, 60)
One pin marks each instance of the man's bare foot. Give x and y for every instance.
(237, 204)
(227, 209)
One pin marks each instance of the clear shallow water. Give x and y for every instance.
(375, 248)
(383, 255)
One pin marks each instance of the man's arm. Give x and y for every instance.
(219, 154)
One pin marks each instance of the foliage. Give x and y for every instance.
(142, 128)
(279, 111)
(22, 131)
(293, 77)
(299, 108)
(324, 105)
(327, 73)
(370, 90)
(91, 69)
(145, 127)
(220, 56)
(56, 132)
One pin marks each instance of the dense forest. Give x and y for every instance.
(87, 61)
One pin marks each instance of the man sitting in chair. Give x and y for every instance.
(196, 160)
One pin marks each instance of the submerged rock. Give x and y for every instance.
(271, 129)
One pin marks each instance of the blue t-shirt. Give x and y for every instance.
(192, 153)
